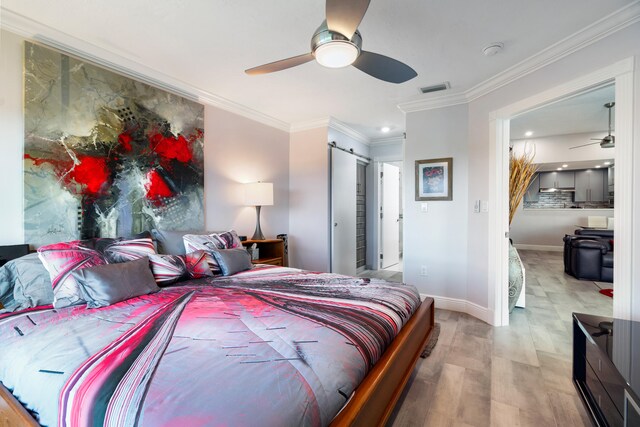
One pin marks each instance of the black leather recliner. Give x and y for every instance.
(588, 255)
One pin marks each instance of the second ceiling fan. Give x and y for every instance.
(337, 43)
(608, 141)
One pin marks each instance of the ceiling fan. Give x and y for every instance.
(337, 43)
(608, 141)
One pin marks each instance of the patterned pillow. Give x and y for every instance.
(128, 250)
(198, 265)
(168, 269)
(228, 240)
(60, 260)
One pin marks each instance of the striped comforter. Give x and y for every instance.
(268, 347)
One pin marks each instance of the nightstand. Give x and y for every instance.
(271, 251)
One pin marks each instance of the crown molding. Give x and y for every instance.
(309, 124)
(432, 103)
(120, 63)
(341, 127)
(393, 140)
(612, 23)
(333, 123)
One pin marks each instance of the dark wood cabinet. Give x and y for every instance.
(271, 251)
(608, 389)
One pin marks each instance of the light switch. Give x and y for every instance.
(476, 206)
(485, 206)
(424, 207)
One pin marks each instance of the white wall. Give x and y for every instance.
(553, 149)
(237, 151)
(309, 200)
(11, 139)
(547, 227)
(437, 239)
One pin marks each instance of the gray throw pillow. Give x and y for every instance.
(232, 261)
(25, 283)
(104, 285)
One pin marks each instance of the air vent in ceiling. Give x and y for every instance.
(435, 88)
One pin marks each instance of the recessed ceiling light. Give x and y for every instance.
(528, 133)
(607, 163)
(597, 166)
(565, 165)
(385, 129)
(559, 169)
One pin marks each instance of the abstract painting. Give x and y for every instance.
(106, 155)
(434, 179)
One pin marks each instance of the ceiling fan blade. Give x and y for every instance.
(283, 64)
(584, 145)
(384, 68)
(344, 16)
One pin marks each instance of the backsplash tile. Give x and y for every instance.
(562, 200)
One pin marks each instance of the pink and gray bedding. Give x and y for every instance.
(232, 261)
(269, 346)
(105, 285)
(62, 259)
(25, 283)
(168, 269)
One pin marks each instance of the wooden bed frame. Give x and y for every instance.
(372, 402)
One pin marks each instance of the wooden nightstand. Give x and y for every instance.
(271, 251)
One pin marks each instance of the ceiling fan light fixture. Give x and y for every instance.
(336, 54)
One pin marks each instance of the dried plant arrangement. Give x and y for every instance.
(521, 172)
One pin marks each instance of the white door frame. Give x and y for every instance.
(620, 73)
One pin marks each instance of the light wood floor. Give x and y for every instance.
(518, 375)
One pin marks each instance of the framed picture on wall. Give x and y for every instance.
(434, 179)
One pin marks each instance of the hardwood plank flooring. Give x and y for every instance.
(518, 375)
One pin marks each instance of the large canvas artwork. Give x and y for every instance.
(106, 155)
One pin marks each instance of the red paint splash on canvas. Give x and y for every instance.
(91, 173)
(171, 147)
(156, 188)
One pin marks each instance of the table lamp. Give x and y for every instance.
(258, 194)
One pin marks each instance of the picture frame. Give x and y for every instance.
(434, 179)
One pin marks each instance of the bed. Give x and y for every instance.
(268, 346)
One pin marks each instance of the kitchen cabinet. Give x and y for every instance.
(533, 191)
(591, 185)
(560, 179)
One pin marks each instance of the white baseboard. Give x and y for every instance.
(462, 306)
(548, 248)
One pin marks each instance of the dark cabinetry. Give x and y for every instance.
(591, 185)
(561, 179)
(608, 390)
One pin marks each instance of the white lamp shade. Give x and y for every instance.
(258, 194)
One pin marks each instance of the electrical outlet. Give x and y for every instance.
(423, 270)
(424, 207)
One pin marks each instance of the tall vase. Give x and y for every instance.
(516, 276)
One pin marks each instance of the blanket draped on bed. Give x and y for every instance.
(272, 346)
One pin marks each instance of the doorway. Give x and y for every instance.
(622, 74)
(562, 229)
(390, 232)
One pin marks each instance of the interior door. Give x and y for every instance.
(390, 215)
(343, 212)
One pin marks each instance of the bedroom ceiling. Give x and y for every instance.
(208, 44)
